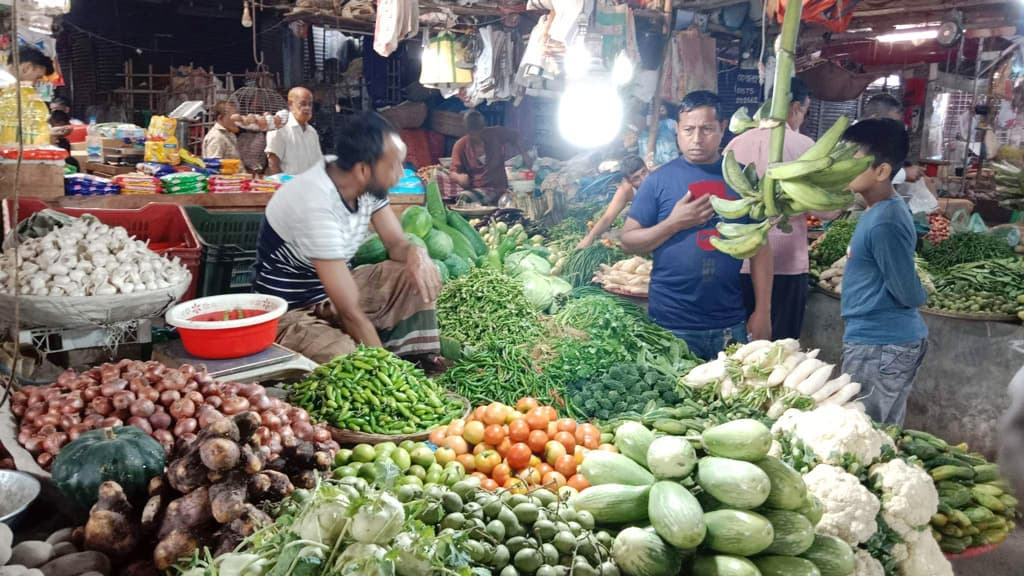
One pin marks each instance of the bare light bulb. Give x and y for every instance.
(622, 69)
(246, 15)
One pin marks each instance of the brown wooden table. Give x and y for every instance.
(245, 202)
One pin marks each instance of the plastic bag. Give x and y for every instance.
(961, 222)
(919, 198)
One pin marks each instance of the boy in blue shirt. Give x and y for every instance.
(695, 290)
(885, 339)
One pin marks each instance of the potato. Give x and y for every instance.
(63, 549)
(219, 454)
(13, 570)
(6, 539)
(177, 544)
(31, 553)
(33, 572)
(75, 564)
(62, 535)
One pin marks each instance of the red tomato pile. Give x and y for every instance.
(520, 448)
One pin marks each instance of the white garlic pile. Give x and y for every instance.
(87, 258)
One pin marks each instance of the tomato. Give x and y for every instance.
(501, 473)
(478, 413)
(552, 429)
(487, 460)
(567, 425)
(473, 432)
(608, 448)
(519, 430)
(456, 427)
(526, 404)
(489, 485)
(537, 419)
(544, 468)
(585, 430)
(578, 482)
(479, 475)
(566, 466)
(551, 412)
(457, 443)
(494, 434)
(495, 413)
(481, 447)
(567, 440)
(444, 455)
(554, 450)
(467, 460)
(537, 441)
(578, 454)
(503, 447)
(519, 456)
(531, 476)
(591, 442)
(516, 486)
(535, 461)
(552, 481)
(438, 434)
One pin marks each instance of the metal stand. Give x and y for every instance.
(47, 341)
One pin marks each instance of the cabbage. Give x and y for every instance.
(541, 290)
(524, 260)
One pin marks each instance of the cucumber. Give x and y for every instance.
(788, 490)
(832, 556)
(615, 503)
(633, 440)
(786, 566)
(456, 221)
(794, 533)
(812, 509)
(744, 439)
(600, 467)
(724, 565)
(735, 483)
(738, 532)
(435, 204)
(676, 515)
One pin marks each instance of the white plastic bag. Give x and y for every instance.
(918, 197)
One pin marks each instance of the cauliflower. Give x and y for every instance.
(925, 559)
(909, 498)
(866, 565)
(850, 508)
(776, 449)
(833, 432)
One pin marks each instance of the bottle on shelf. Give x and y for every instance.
(94, 142)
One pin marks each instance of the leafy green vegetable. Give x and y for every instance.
(832, 246)
(581, 264)
(624, 387)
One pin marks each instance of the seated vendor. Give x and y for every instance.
(634, 172)
(221, 140)
(311, 230)
(478, 160)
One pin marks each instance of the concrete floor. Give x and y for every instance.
(1007, 560)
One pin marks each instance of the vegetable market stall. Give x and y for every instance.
(960, 392)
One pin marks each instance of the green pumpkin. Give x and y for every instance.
(125, 454)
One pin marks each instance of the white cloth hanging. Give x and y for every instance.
(396, 20)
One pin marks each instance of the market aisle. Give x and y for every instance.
(1008, 560)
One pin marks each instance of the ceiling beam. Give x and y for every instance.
(925, 7)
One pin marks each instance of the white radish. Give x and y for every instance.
(728, 388)
(747, 349)
(802, 372)
(813, 353)
(844, 395)
(831, 387)
(815, 381)
(705, 374)
(778, 375)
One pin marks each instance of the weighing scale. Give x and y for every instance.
(274, 363)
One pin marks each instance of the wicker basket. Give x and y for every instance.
(447, 123)
(351, 437)
(407, 115)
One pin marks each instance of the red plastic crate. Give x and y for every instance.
(165, 226)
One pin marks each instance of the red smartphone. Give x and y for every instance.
(709, 187)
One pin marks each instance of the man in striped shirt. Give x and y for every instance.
(311, 230)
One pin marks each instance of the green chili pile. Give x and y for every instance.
(486, 304)
(963, 248)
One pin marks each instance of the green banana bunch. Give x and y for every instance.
(741, 121)
(741, 241)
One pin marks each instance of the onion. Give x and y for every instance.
(195, 396)
(111, 422)
(187, 370)
(165, 438)
(113, 387)
(262, 435)
(44, 460)
(19, 397)
(187, 438)
(48, 419)
(274, 443)
(66, 377)
(295, 414)
(302, 429)
(203, 378)
(142, 408)
(286, 432)
(185, 426)
(123, 399)
(45, 430)
(259, 402)
(270, 421)
(73, 405)
(93, 420)
(34, 444)
(210, 389)
(215, 401)
(207, 415)
(234, 405)
(34, 411)
(151, 394)
(76, 431)
(168, 397)
(161, 420)
(248, 389)
(321, 434)
(192, 385)
(102, 405)
(173, 381)
(52, 443)
(69, 420)
(19, 409)
(140, 422)
(91, 392)
(183, 408)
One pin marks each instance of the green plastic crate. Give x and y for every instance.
(229, 249)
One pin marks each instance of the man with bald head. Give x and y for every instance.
(295, 147)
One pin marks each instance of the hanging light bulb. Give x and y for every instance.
(622, 69)
(577, 60)
(246, 15)
(590, 113)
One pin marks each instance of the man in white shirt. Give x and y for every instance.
(295, 147)
(310, 233)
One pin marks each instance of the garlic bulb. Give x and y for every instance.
(87, 258)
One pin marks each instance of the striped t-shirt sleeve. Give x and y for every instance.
(321, 236)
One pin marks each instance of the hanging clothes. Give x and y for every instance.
(396, 20)
(692, 65)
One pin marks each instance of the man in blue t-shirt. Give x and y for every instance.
(885, 339)
(695, 290)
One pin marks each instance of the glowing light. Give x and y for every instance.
(590, 113)
(622, 69)
(914, 36)
(577, 61)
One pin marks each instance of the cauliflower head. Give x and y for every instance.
(925, 558)
(908, 495)
(866, 565)
(850, 508)
(833, 432)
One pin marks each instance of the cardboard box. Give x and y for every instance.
(45, 181)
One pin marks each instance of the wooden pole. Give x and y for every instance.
(655, 108)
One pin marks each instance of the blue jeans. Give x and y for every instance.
(706, 344)
(886, 374)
